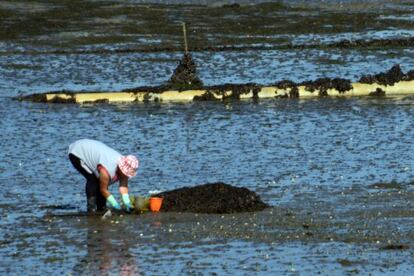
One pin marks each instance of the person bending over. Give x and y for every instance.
(102, 166)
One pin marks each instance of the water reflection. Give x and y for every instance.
(108, 250)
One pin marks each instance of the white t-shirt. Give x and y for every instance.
(94, 153)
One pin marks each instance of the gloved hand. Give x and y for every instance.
(127, 203)
(113, 203)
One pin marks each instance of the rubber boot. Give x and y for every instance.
(91, 204)
(100, 203)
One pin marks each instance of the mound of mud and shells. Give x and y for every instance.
(212, 198)
(185, 75)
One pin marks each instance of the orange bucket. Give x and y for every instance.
(155, 203)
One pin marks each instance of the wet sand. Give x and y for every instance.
(357, 230)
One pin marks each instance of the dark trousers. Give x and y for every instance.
(92, 186)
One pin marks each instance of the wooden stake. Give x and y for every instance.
(185, 38)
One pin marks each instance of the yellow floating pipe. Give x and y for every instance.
(359, 89)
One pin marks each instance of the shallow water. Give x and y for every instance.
(318, 162)
(315, 160)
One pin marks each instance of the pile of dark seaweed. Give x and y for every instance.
(185, 75)
(212, 198)
(394, 75)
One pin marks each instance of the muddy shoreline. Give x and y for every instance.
(372, 217)
(64, 28)
(359, 44)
